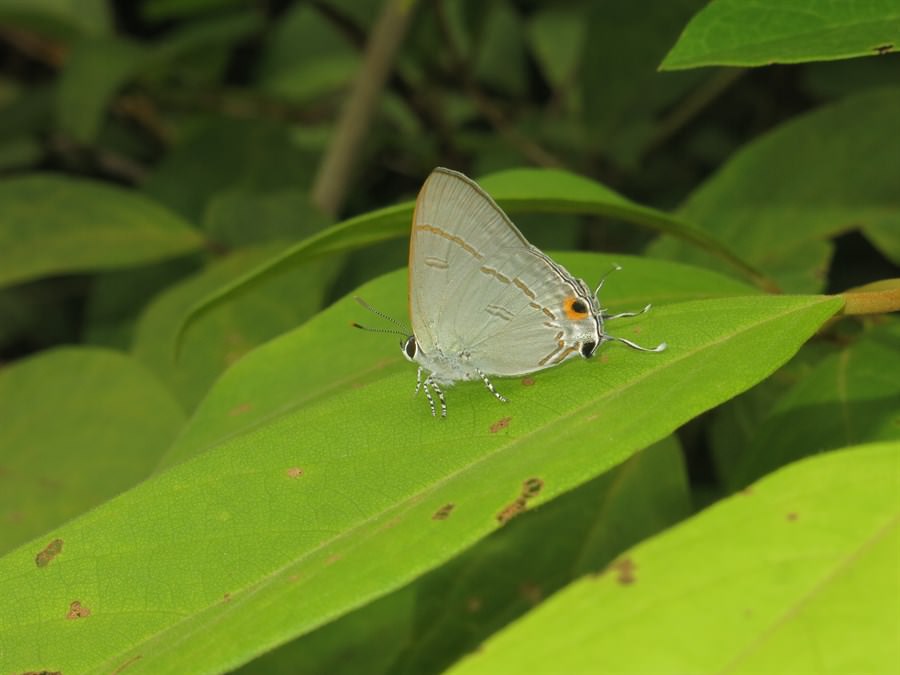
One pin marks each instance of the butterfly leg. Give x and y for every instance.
(441, 398)
(419, 382)
(490, 386)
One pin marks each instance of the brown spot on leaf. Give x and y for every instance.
(532, 487)
(792, 516)
(531, 592)
(511, 510)
(51, 550)
(473, 604)
(42, 672)
(527, 381)
(130, 662)
(77, 611)
(333, 558)
(500, 424)
(884, 49)
(604, 359)
(624, 567)
(240, 409)
(444, 512)
(294, 472)
(227, 597)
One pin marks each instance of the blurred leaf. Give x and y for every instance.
(280, 530)
(65, 19)
(117, 298)
(500, 60)
(885, 236)
(307, 56)
(239, 218)
(850, 397)
(156, 10)
(53, 224)
(837, 79)
(226, 334)
(79, 426)
(223, 412)
(459, 604)
(516, 190)
(22, 153)
(763, 32)
(226, 155)
(557, 36)
(784, 578)
(94, 72)
(820, 174)
(623, 92)
(28, 112)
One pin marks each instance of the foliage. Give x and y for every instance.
(203, 467)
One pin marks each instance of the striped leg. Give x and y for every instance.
(441, 398)
(487, 383)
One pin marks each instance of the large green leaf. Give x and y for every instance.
(54, 225)
(302, 376)
(850, 397)
(515, 190)
(797, 574)
(779, 199)
(278, 530)
(79, 425)
(762, 32)
(427, 625)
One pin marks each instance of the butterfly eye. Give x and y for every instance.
(587, 348)
(410, 348)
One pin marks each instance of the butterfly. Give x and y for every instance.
(485, 302)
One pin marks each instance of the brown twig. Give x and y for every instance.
(333, 177)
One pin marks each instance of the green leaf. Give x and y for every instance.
(557, 36)
(223, 336)
(64, 19)
(79, 425)
(276, 531)
(425, 626)
(227, 411)
(228, 155)
(500, 59)
(848, 398)
(516, 190)
(56, 225)
(779, 217)
(799, 574)
(763, 32)
(307, 57)
(93, 74)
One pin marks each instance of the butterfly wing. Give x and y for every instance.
(477, 287)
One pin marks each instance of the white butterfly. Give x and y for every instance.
(483, 301)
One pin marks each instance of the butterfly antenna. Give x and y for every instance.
(658, 348)
(615, 268)
(392, 331)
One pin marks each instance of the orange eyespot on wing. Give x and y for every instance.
(575, 308)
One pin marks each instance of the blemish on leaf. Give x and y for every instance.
(884, 49)
(335, 557)
(227, 597)
(531, 592)
(624, 568)
(473, 604)
(604, 359)
(240, 409)
(527, 381)
(42, 672)
(294, 472)
(510, 511)
(51, 550)
(792, 516)
(130, 662)
(77, 611)
(444, 512)
(532, 488)
(500, 424)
